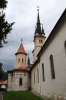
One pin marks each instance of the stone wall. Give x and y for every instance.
(13, 81)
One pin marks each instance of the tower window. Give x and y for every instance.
(22, 60)
(40, 41)
(52, 67)
(43, 77)
(20, 81)
(18, 60)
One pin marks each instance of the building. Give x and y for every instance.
(49, 69)
(18, 78)
(48, 72)
(3, 84)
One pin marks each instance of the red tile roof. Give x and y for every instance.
(21, 50)
(18, 69)
(4, 82)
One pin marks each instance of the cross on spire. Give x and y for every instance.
(37, 8)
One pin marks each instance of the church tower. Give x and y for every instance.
(21, 57)
(39, 38)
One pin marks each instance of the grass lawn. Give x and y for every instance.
(20, 95)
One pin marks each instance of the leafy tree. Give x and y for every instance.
(1, 71)
(5, 27)
(5, 76)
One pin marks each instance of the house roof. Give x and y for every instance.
(51, 34)
(21, 50)
(18, 69)
(3, 83)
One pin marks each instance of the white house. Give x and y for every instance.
(3, 84)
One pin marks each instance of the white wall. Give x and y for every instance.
(55, 86)
(56, 48)
(35, 86)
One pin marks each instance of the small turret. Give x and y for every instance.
(28, 62)
(21, 57)
(42, 31)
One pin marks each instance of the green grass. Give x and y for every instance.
(20, 95)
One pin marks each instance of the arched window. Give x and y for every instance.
(52, 67)
(65, 43)
(20, 81)
(43, 77)
(65, 46)
(22, 60)
(18, 60)
(38, 74)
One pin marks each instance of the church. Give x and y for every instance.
(47, 74)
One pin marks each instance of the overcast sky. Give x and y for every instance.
(24, 14)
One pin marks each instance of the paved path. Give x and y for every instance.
(1, 96)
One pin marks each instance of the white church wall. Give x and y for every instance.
(56, 48)
(36, 51)
(35, 79)
(55, 86)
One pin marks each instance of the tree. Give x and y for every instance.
(1, 71)
(5, 27)
(5, 76)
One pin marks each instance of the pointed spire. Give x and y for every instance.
(28, 62)
(36, 31)
(38, 24)
(21, 49)
(38, 19)
(42, 30)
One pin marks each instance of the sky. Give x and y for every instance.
(24, 14)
